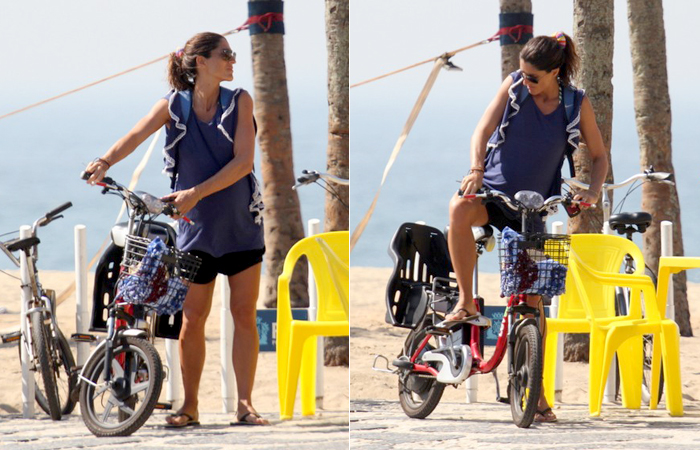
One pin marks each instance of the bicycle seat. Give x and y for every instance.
(626, 222)
(22, 244)
(420, 254)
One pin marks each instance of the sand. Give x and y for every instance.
(264, 394)
(370, 335)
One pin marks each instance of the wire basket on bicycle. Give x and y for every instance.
(155, 275)
(533, 263)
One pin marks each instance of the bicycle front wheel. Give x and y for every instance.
(65, 381)
(122, 405)
(41, 341)
(526, 383)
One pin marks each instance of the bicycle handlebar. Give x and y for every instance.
(146, 201)
(647, 175)
(529, 200)
(310, 176)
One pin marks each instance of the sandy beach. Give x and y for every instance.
(264, 394)
(370, 335)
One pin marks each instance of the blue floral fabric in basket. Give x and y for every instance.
(152, 284)
(520, 274)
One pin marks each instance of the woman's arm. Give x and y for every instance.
(599, 158)
(240, 166)
(484, 129)
(156, 118)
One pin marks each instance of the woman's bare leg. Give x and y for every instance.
(193, 348)
(244, 297)
(464, 214)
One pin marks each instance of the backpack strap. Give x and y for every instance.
(569, 104)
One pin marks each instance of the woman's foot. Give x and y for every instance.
(247, 415)
(545, 415)
(182, 419)
(462, 315)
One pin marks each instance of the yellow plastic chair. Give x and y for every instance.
(624, 334)
(574, 317)
(328, 255)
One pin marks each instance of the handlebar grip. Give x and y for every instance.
(50, 215)
(84, 175)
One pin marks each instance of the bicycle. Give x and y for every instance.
(49, 353)
(421, 292)
(629, 223)
(313, 176)
(120, 383)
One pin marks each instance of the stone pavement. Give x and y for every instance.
(327, 429)
(379, 425)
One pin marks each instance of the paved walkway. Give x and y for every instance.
(379, 425)
(328, 430)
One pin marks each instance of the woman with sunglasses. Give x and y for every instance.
(209, 151)
(520, 143)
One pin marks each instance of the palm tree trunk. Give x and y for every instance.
(337, 349)
(652, 106)
(594, 29)
(337, 38)
(510, 54)
(282, 213)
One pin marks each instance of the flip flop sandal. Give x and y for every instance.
(545, 416)
(190, 422)
(243, 422)
(476, 320)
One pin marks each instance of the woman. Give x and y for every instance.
(209, 152)
(520, 143)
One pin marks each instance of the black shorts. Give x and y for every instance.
(228, 264)
(501, 217)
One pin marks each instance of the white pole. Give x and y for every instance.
(27, 376)
(667, 250)
(173, 392)
(228, 380)
(472, 383)
(558, 228)
(314, 227)
(609, 393)
(82, 316)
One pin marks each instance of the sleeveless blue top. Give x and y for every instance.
(532, 155)
(229, 220)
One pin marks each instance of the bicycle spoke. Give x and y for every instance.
(108, 409)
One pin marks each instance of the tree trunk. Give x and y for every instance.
(510, 54)
(594, 29)
(337, 349)
(282, 213)
(652, 106)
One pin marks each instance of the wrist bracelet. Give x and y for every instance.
(100, 160)
(476, 169)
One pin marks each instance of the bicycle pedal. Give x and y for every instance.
(11, 337)
(83, 337)
(505, 400)
(164, 406)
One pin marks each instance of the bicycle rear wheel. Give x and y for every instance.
(65, 380)
(418, 395)
(123, 405)
(46, 387)
(526, 383)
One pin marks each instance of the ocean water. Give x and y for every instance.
(436, 156)
(45, 149)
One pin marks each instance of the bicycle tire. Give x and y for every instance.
(526, 383)
(418, 396)
(621, 310)
(65, 379)
(45, 364)
(143, 362)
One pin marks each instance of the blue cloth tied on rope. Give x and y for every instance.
(152, 284)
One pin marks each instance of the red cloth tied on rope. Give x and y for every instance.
(264, 20)
(515, 32)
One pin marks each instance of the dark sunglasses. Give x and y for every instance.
(228, 55)
(530, 78)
